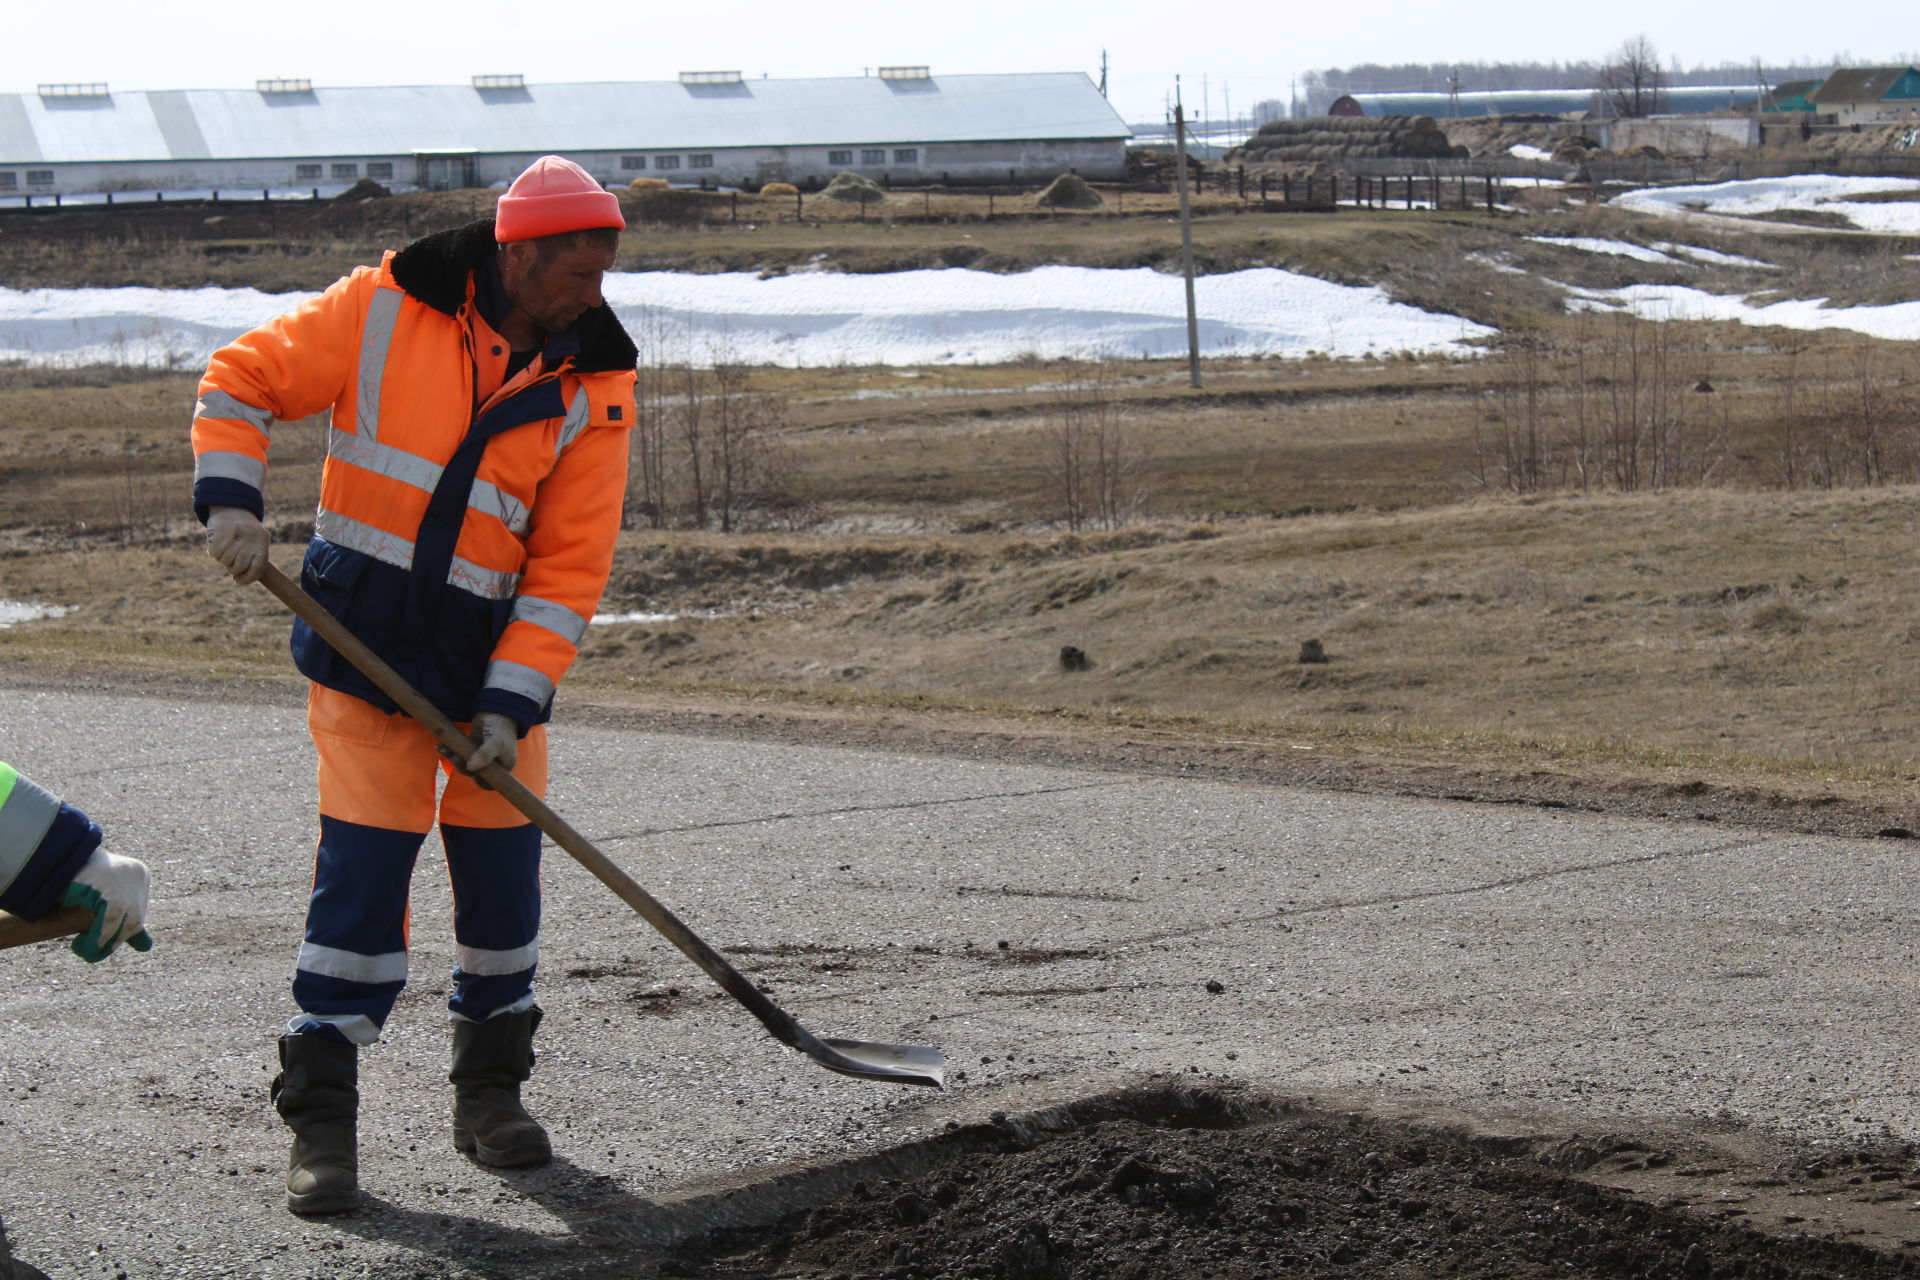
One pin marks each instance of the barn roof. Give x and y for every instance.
(1674, 99)
(1790, 95)
(1860, 84)
(290, 118)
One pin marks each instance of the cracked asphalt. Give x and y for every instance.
(1056, 931)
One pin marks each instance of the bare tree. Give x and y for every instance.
(1632, 81)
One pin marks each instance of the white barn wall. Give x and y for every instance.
(970, 128)
(1098, 160)
(1684, 136)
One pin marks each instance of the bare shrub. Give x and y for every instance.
(1094, 467)
(1843, 420)
(705, 451)
(1611, 405)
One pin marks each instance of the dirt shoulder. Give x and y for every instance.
(1859, 810)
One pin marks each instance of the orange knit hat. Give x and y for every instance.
(552, 196)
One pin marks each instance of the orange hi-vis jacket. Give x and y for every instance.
(467, 520)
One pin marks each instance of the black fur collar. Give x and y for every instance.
(435, 268)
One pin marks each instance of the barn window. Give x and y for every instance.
(9, 179)
(840, 157)
(666, 162)
(39, 177)
(700, 162)
(346, 171)
(874, 155)
(306, 171)
(906, 155)
(633, 162)
(379, 169)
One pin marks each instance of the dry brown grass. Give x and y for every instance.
(1765, 629)
(1770, 627)
(1288, 501)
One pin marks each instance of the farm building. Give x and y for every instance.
(1870, 95)
(1790, 95)
(713, 127)
(1680, 100)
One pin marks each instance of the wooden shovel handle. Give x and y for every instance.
(651, 909)
(15, 932)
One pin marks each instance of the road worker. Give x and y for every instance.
(479, 391)
(50, 856)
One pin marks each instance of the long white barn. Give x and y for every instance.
(904, 124)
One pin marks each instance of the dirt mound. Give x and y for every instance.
(1194, 1184)
(672, 205)
(365, 189)
(1069, 191)
(851, 188)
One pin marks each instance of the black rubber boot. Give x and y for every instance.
(491, 1060)
(318, 1094)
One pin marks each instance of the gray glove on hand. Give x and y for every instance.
(115, 890)
(498, 739)
(237, 539)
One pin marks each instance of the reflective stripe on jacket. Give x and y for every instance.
(42, 844)
(467, 521)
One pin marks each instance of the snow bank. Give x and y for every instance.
(951, 316)
(1822, 192)
(1900, 320)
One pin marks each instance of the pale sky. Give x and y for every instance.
(1236, 51)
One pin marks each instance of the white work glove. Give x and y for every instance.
(498, 739)
(237, 539)
(115, 890)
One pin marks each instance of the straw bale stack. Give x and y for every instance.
(1333, 138)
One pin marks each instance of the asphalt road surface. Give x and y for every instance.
(1056, 932)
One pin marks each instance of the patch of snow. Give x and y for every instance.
(1713, 256)
(609, 619)
(1521, 151)
(12, 611)
(1497, 264)
(1588, 244)
(1823, 192)
(1900, 320)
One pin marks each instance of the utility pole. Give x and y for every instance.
(1103, 73)
(1186, 234)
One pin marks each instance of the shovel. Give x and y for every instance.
(58, 923)
(898, 1063)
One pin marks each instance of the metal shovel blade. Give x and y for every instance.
(899, 1063)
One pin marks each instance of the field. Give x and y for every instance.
(1631, 565)
(1739, 612)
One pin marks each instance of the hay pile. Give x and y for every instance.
(1069, 191)
(1344, 138)
(648, 184)
(779, 189)
(854, 189)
